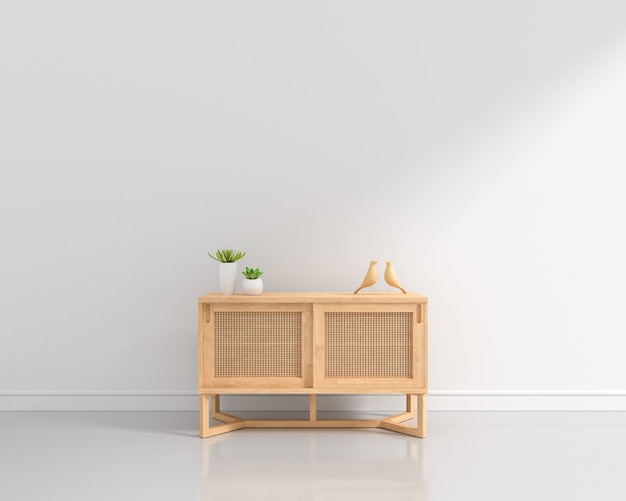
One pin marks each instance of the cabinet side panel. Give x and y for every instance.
(200, 345)
(419, 355)
(424, 308)
(205, 328)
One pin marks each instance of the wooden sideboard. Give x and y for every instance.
(313, 343)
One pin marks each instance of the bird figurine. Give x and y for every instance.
(391, 278)
(370, 277)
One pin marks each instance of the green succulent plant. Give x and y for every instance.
(252, 273)
(227, 255)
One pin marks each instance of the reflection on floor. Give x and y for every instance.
(158, 456)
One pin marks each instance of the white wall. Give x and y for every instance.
(479, 145)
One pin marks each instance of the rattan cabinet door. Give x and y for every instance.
(370, 347)
(257, 346)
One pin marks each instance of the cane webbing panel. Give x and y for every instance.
(258, 344)
(369, 344)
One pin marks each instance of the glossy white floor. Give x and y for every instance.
(158, 456)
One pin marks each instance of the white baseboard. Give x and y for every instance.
(99, 401)
(437, 401)
(528, 401)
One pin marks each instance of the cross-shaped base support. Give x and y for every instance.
(210, 406)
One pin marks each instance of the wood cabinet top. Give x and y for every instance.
(316, 297)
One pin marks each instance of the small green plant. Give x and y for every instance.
(227, 255)
(251, 273)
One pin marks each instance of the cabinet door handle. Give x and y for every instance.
(418, 314)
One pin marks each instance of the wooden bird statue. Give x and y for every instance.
(370, 277)
(391, 278)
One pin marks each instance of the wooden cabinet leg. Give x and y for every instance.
(313, 408)
(410, 404)
(204, 416)
(421, 415)
(215, 404)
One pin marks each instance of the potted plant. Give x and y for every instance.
(252, 283)
(228, 268)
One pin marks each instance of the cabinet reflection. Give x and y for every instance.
(313, 465)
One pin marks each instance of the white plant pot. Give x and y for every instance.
(252, 287)
(228, 278)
